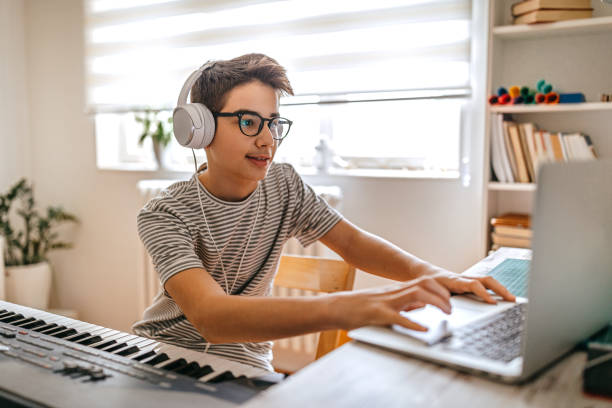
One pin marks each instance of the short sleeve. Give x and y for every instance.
(313, 216)
(168, 242)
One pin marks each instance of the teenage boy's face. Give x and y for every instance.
(235, 155)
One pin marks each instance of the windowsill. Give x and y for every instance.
(308, 171)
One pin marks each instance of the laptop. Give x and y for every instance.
(569, 288)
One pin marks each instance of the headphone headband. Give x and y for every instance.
(191, 80)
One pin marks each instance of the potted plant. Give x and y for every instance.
(28, 273)
(159, 130)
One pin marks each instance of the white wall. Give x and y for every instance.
(437, 220)
(14, 136)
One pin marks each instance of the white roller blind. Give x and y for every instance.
(139, 52)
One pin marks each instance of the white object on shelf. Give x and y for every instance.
(581, 26)
(496, 186)
(560, 107)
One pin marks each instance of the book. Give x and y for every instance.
(530, 130)
(549, 16)
(521, 166)
(531, 5)
(510, 151)
(512, 220)
(496, 159)
(510, 231)
(502, 143)
(555, 140)
(503, 240)
(526, 152)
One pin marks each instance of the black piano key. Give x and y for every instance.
(188, 369)
(6, 314)
(34, 324)
(11, 318)
(175, 365)
(56, 329)
(204, 370)
(77, 337)
(224, 376)
(157, 359)
(64, 333)
(45, 327)
(90, 340)
(117, 347)
(25, 320)
(127, 351)
(144, 355)
(105, 344)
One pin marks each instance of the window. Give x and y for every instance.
(382, 84)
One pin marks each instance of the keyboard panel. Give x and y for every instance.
(78, 356)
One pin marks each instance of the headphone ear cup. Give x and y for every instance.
(194, 125)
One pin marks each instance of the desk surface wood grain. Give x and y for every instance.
(360, 375)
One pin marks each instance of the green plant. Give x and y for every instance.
(159, 130)
(30, 245)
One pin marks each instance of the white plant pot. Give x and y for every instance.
(29, 285)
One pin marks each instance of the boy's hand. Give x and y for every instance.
(478, 285)
(381, 306)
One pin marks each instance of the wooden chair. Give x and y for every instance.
(317, 275)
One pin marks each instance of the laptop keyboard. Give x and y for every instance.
(497, 338)
(512, 273)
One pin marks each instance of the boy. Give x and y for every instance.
(216, 239)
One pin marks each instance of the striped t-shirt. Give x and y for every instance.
(173, 230)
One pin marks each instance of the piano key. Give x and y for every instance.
(77, 337)
(55, 329)
(204, 370)
(174, 365)
(25, 320)
(89, 340)
(34, 324)
(45, 327)
(128, 351)
(64, 333)
(11, 318)
(224, 376)
(115, 347)
(159, 358)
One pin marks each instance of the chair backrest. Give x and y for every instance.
(318, 275)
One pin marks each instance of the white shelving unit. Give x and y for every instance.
(574, 56)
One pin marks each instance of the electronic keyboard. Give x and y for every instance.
(51, 360)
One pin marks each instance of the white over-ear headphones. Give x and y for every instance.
(194, 124)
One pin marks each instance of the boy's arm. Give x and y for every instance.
(222, 318)
(373, 254)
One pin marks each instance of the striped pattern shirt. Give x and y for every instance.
(249, 233)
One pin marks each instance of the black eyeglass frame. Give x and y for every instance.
(263, 120)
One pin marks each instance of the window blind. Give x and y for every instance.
(139, 52)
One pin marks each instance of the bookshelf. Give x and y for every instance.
(574, 56)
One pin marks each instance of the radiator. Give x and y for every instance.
(149, 279)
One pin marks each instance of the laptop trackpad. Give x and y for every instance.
(440, 324)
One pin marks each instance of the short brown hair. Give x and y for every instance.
(215, 82)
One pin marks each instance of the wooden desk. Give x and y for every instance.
(360, 375)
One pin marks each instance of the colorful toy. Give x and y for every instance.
(543, 93)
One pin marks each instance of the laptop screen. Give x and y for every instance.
(570, 282)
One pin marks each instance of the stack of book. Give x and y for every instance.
(518, 149)
(511, 229)
(548, 11)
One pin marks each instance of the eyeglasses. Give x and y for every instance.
(251, 123)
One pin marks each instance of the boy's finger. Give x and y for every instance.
(434, 286)
(420, 294)
(409, 324)
(498, 288)
(478, 289)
